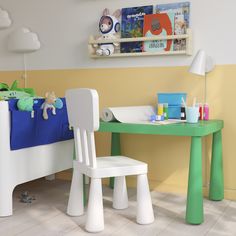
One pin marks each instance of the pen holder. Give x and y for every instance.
(192, 114)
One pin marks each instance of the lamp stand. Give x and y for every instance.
(24, 75)
(205, 88)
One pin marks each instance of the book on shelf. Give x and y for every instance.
(158, 24)
(181, 12)
(132, 26)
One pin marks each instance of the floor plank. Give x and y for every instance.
(47, 215)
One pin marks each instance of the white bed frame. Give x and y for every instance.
(20, 166)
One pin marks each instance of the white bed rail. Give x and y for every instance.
(20, 166)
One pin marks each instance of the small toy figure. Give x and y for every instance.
(50, 99)
(108, 27)
(25, 198)
(26, 104)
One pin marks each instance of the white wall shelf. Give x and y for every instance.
(187, 36)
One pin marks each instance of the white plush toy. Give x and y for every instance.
(108, 26)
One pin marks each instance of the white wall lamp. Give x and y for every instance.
(201, 65)
(5, 20)
(24, 41)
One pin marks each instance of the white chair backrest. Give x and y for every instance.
(83, 113)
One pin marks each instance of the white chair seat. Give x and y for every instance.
(113, 166)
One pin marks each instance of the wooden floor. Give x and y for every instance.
(47, 215)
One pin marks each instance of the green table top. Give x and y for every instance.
(202, 128)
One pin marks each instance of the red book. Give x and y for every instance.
(158, 24)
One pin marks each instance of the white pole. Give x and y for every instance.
(25, 70)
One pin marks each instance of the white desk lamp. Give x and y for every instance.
(23, 41)
(201, 65)
(5, 20)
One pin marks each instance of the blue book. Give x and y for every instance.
(132, 26)
(181, 12)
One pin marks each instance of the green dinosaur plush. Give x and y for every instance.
(14, 87)
(15, 92)
(4, 87)
(6, 95)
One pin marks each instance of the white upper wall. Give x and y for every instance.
(64, 26)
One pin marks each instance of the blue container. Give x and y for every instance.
(174, 101)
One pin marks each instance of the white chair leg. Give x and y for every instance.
(76, 202)
(95, 217)
(6, 200)
(144, 203)
(120, 196)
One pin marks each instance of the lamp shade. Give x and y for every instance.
(23, 41)
(198, 65)
(201, 64)
(5, 20)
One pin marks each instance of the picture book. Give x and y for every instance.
(132, 26)
(158, 24)
(181, 12)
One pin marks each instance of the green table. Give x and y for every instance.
(194, 208)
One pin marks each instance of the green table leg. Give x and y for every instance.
(216, 179)
(194, 209)
(115, 151)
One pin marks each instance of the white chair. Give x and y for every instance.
(83, 113)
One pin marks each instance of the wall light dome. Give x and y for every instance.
(23, 40)
(5, 20)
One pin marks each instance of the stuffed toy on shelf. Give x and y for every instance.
(109, 26)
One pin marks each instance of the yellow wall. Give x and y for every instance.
(167, 156)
